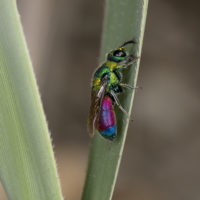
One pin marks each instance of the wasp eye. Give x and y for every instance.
(119, 53)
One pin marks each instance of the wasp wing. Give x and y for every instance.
(96, 99)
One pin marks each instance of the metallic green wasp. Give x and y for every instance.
(106, 84)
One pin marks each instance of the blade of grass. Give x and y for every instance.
(27, 165)
(124, 20)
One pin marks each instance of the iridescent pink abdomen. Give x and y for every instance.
(106, 123)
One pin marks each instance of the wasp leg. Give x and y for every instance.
(129, 87)
(119, 105)
(129, 61)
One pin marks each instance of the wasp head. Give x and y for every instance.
(117, 55)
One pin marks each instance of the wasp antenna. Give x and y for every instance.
(128, 42)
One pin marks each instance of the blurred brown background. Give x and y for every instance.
(161, 156)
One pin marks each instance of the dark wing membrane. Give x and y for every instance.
(96, 99)
(93, 113)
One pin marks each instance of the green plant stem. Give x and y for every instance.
(124, 20)
(27, 165)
